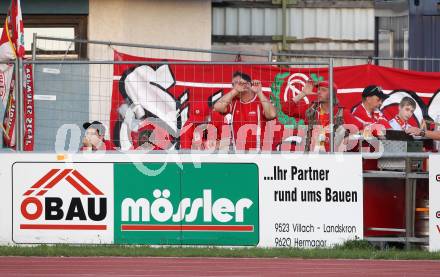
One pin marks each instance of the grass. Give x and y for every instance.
(350, 250)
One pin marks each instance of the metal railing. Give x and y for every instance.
(409, 202)
(269, 55)
(324, 60)
(146, 46)
(109, 78)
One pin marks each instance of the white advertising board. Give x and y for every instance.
(62, 202)
(434, 202)
(311, 202)
(303, 201)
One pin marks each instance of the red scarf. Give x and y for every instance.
(401, 122)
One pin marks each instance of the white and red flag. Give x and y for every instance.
(12, 39)
(11, 48)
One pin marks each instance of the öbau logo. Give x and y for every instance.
(87, 206)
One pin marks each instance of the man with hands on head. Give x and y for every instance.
(249, 108)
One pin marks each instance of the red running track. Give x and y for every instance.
(129, 266)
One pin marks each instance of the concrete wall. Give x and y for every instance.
(154, 22)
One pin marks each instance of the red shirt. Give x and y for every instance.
(370, 118)
(198, 136)
(298, 110)
(248, 122)
(221, 123)
(186, 135)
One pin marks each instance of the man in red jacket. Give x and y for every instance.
(317, 116)
(368, 111)
(375, 124)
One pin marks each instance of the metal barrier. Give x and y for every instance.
(393, 62)
(103, 50)
(410, 177)
(98, 77)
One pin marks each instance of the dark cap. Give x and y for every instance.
(374, 90)
(95, 125)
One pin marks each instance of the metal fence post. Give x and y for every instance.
(18, 104)
(34, 46)
(16, 93)
(331, 112)
(409, 204)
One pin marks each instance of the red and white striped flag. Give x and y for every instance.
(12, 39)
(11, 48)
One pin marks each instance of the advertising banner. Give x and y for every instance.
(62, 203)
(216, 204)
(303, 201)
(434, 202)
(312, 202)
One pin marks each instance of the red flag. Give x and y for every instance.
(9, 119)
(175, 94)
(12, 39)
(11, 47)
